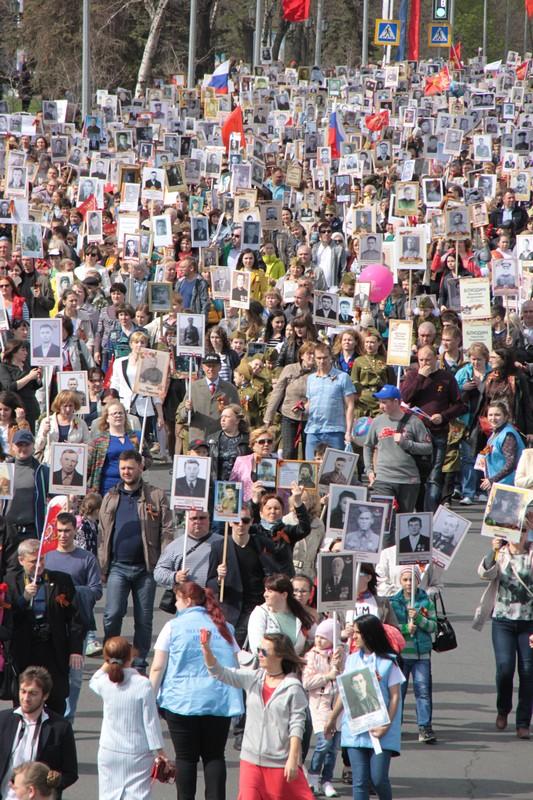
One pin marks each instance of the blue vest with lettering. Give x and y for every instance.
(496, 458)
(187, 688)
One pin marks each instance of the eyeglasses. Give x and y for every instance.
(243, 521)
(326, 231)
(262, 652)
(264, 441)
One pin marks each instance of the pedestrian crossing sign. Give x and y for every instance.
(440, 35)
(387, 32)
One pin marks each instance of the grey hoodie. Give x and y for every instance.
(268, 727)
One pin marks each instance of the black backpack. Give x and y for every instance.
(423, 463)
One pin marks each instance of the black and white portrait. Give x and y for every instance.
(337, 467)
(190, 482)
(159, 297)
(413, 537)
(75, 382)
(340, 496)
(200, 231)
(362, 700)
(449, 530)
(240, 288)
(363, 530)
(191, 334)
(68, 468)
(336, 580)
(325, 307)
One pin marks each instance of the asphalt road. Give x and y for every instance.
(471, 759)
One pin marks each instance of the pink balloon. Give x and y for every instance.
(380, 280)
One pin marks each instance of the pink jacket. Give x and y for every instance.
(322, 692)
(242, 471)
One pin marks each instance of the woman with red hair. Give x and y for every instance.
(198, 712)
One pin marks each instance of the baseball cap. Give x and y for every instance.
(388, 392)
(197, 443)
(211, 358)
(23, 437)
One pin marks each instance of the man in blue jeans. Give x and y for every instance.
(330, 405)
(135, 525)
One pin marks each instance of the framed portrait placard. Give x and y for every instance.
(265, 472)
(46, 339)
(7, 480)
(159, 297)
(190, 482)
(400, 342)
(364, 526)
(75, 382)
(362, 700)
(505, 511)
(449, 530)
(190, 334)
(336, 581)
(478, 330)
(337, 467)
(240, 289)
(152, 372)
(414, 537)
(227, 501)
(68, 468)
(340, 496)
(304, 473)
(475, 298)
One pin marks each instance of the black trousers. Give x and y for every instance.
(195, 738)
(289, 432)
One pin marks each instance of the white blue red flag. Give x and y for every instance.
(220, 77)
(336, 135)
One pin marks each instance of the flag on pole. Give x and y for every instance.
(436, 84)
(375, 122)
(220, 77)
(296, 10)
(521, 70)
(336, 135)
(455, 56)
(529, 8)
(55, 506)
(233, 124)
(413, 33)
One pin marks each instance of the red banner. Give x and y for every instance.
(413, 36)
(296, 10)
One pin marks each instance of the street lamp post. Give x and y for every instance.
(191, 65)
(85, 62)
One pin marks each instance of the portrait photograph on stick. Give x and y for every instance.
(190, 482)
(364, 526)
(191, 334)
(336, 581)
(68, 468)
(414, 537)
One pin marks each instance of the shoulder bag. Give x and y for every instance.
(445, 638)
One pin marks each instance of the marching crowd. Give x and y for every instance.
(364, 287)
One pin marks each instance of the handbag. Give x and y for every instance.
(163, 771)
(445, 638)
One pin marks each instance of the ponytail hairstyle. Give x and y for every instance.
(189, 590)
(40, 776)
(117, 651)
(282, 583)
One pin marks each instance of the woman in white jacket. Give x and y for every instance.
(280, 613)
(131, 735)
(524, 471)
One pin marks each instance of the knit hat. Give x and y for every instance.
(409, 568)
(326, 629)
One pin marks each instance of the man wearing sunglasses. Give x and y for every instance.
(172, 568)
(249, 560)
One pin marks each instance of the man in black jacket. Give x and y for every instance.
(47, 628)
(34, 732)
(36, 289)
(509, 215)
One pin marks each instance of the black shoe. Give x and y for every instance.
(426, 735)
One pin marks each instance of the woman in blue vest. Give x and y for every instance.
(504, 447)
(197, 710)
(374, 652)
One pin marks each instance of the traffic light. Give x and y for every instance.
(441, 10)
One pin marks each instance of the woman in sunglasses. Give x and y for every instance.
(245, 467)
(275, 719)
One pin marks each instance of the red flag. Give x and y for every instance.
(233, 124)
(296, 10)
(87, 205)
(455, 56)
(375, 122)
(521, 70)
(529, 8)
(55, 506)
(413, 35)
(436, 84)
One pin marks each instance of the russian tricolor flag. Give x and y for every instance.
(220, 77)
(336, 135)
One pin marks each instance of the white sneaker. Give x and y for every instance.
(313, 781)
(329, 790)
(466, 501)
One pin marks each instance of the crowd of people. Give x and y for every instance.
(364, 288)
